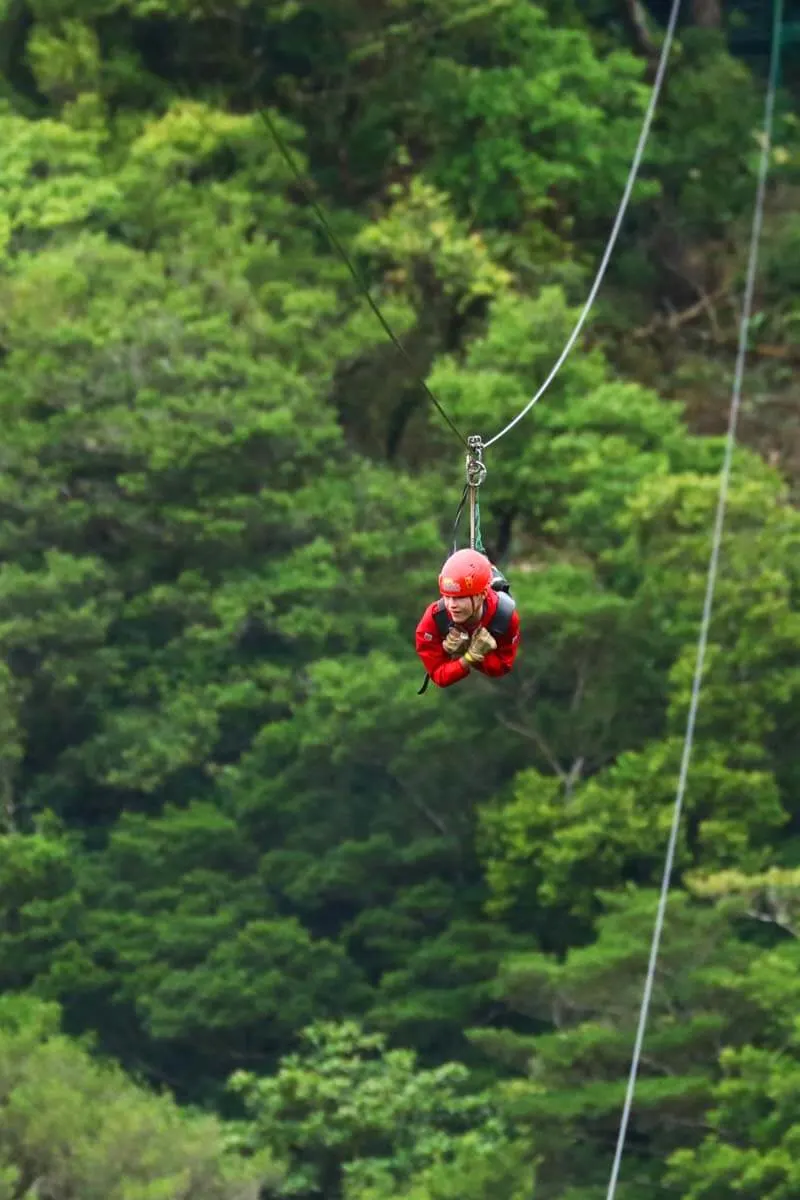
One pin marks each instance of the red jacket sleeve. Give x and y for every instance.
(443, 670)
(500, 661)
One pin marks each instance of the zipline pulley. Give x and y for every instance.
(476, 473)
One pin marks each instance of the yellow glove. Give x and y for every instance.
(482, 642)
(455, 641)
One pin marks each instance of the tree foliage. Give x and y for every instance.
(234, 842)
(74, 1126)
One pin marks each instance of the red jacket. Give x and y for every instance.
(445, 670)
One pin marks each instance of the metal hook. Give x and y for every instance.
(476, 473)
(476, 468)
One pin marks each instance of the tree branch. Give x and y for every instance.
(532, 734)
(677, 319)
(637, 23)
(422, 807)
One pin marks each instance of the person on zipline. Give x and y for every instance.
(475, 625)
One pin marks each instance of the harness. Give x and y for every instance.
(498, 625)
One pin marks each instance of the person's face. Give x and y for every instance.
(461, 609)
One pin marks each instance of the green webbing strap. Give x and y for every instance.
(478, 539)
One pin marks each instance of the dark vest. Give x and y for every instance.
(498, 624)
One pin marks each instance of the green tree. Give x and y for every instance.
(178, 490)
(357, 1119)
(176, 942)
(71, 1125)
(555, 838)
(753, 1117)
(754, 1129)
(226, 814)
(713, 990)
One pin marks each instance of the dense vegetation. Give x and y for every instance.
(370, 945)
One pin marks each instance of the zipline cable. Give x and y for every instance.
(747, 308)
(357, 279)
(620, 217)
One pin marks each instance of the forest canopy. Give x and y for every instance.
(273, 925)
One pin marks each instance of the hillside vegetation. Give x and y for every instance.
(271, 924)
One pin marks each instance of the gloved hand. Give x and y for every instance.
(482, 642)
(456, 641)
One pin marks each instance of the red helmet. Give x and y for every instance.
(466, 573)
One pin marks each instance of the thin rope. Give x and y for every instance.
(752, 268)
(457, 521)
(476, 543)
(620, 217)
(357, 279)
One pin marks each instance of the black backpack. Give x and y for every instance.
(498, 624)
